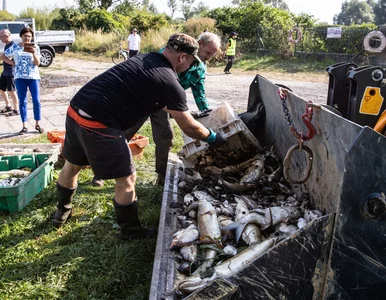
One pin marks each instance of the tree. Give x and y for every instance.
(354, 12)
(274, 3)
(127, 7)
(380, 12)
(173, 6)
(200, 9)
(88, 5)
(186, 8)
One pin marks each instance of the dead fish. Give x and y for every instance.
(209, 231)
(302, 223)
(230, 250)
(276, 175)
(239, 187)
(265, 218)
(185, 237)
(254, 171)
(190, 176)
(251, 233)
(202, 195)
(227, 209)
(283, 230)
(188, 199)
(184, 267)
(229, 169)
(223, 221)
(189, 253)
(228, 268)
(207, 222)
(309, 215)
(251, 204)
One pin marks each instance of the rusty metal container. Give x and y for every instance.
(341, 255)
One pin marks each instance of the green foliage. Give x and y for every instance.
(153, 40)
(103, 20)
(144, 20)
(195, 26)
(354, 12)
(6, 16)
(379, 11)
(126, 8)
(84, 259)
(43, 16)
(68, 19)
(314, 39)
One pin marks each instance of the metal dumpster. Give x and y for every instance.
(341, 255)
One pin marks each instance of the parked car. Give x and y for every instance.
(49, 41)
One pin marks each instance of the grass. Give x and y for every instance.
(84, 259)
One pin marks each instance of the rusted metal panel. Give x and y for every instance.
(358, 258)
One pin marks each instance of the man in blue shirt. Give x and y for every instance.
(7, 82)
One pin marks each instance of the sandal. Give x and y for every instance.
(12, 113)
(23, 131)
(6, 109)
(39, 129)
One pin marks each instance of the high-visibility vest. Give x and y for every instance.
(232, 47)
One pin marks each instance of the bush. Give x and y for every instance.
(195, 26)
(154, 40)
(144, 21)
(6, 16)
(96, 42)
(103, 20)
(43, 16)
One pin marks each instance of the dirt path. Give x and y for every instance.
(67, 75)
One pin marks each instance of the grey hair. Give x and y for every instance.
(6, 31)
(208, 37)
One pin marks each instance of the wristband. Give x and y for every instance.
(211, 137)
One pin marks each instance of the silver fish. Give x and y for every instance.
(202, 195)
(188, 199)
(185, 237)
(251, 233)
(227, 268)
(265, 218)
(189, 253)
(254, 171)
(301, 223)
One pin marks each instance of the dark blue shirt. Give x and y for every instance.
(7, 67)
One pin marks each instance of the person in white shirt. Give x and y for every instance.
(133, 43)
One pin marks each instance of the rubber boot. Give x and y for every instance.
(64, 211)
(127, 218)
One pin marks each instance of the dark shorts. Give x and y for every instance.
(7, 83)
(133, 53)
(104, 149)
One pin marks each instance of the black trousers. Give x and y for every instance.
(133, 53)
(231, 58)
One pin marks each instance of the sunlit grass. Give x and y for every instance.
(84, 259)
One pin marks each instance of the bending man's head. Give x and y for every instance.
(210, 44)
(181, 50)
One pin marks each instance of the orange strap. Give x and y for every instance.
(82, 121)
(381, 123)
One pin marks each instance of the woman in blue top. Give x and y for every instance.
(25, 57)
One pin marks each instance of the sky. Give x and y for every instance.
(323, 10)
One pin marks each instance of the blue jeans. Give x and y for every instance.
(33, 85)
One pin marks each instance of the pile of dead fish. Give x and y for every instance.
(229, 216)
(12, 177)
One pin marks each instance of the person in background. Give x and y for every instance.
(25, 57)
(230, 51)
(98, 117)
(7, 81)
(133, 43)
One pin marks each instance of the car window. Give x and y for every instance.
(3, 26)
(15, 28)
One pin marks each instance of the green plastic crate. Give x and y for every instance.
(14, 198)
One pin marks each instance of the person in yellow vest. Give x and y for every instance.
(230, 51)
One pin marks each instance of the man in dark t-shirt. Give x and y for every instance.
(108, 105)
(7, 82)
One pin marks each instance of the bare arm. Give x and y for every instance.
(36, 59)
(189, 125)
(7, 60)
